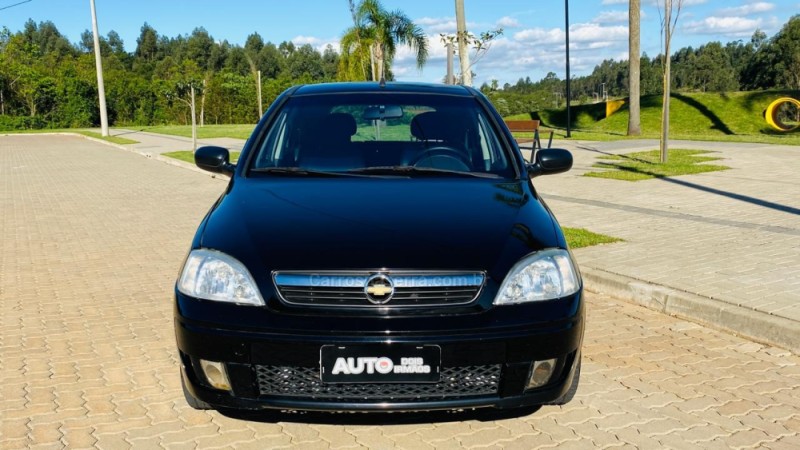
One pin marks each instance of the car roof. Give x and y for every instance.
(388, 87)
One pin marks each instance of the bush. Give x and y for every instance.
(14, 123)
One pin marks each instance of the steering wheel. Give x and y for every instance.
(463, 164)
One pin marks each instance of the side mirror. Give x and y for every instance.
(214, 159)
(550, 161)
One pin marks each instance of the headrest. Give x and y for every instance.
(339, 124)
(434, 125)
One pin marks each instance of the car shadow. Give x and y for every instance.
(378, 418)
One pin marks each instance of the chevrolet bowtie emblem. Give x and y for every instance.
(379, 289)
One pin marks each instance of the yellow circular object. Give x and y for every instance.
(772, 114)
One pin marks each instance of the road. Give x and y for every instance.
(92, 239)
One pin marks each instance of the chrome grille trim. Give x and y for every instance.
(347, 289)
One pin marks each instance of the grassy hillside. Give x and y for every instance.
(735, 116)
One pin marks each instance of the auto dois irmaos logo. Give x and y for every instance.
(381, 365)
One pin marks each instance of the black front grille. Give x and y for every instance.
(396, 288)
(348, 296)
(455, 382)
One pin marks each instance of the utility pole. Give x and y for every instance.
(566, 20)
(449, 79)
(101, 90)
(463, 51)
(634, 68)
(260, 105)
(194, 121)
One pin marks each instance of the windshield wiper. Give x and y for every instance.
(412, 171)
(299, 171)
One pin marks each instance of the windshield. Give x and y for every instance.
(382, 135)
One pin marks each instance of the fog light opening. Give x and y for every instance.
(216, 374)
(541, 371)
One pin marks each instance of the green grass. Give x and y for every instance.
(188, 155)
(400, 132)
(112, 139)
(727, 117)
(239, 131)
(580, 237)
(646, 165)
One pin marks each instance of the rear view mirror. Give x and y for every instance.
(383, 112)
(214, 159)
(550, 161)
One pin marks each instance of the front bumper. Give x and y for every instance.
(270, 370)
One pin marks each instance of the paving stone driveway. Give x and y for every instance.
(92, 238)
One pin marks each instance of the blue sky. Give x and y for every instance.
(532, 43)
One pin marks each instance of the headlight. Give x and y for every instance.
(213, 275)
(544, 275)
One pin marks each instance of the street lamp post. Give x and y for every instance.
(101, 90)
(566, 19)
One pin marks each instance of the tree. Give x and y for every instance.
(668, 23)
(115, 43)
(480, 45)
(305, 60)
(786, 49)
(712, 69)
(47, 39)
(198, 47)
(253, 44)
(375, 34)
(650, 75)
(270, 61)
(147, 43)
(634, 72)
(330, 61)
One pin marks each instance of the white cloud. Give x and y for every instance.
(611, 17)
(592, 32)
(730, 26)
(529, 52)
(508, 22)
(615, 2)
(660, 3)
(540, 35)
(302, 40)
(578, 33)
(437, 25)
(747, 9)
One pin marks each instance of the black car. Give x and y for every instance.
(380, 246)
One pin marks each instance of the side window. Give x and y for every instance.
(493, 157)
(275, 147)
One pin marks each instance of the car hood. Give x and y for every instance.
(373, 223)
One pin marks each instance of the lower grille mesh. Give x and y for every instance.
(456, 382)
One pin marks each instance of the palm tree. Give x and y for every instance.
(374, 38)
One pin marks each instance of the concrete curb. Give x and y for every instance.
(128, 148)
(738, 320)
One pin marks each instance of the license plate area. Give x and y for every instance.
(383, 363)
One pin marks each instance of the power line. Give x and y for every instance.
(15, 4)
